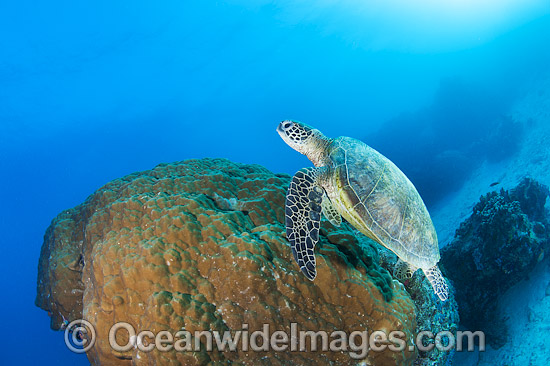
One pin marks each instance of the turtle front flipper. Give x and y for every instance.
(330, 212)
(438, 282)
(303, 216)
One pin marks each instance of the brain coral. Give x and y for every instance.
(199, 245)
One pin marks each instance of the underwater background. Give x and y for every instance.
(456, 93)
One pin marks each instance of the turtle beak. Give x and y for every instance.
(280, 129)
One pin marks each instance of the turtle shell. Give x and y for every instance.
(380, 201)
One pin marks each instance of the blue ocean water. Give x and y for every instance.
(90, 92)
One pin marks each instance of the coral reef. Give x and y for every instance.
(199, 245)
(496, 247)
(431, 313)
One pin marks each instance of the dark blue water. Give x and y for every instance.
(95, 91)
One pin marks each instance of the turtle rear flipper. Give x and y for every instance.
(302, 218)
(438, 282)
(403, 271)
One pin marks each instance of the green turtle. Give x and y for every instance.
(354, 181)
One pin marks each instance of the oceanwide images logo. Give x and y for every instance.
(80, 336)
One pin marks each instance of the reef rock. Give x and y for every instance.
(496, 247)
(432, 314)
(199, 246)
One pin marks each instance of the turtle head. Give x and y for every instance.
(304, 139)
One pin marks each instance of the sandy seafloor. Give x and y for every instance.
(526, 306)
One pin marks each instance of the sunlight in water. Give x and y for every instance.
(422, 25)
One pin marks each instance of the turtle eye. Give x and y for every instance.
(287, 125)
